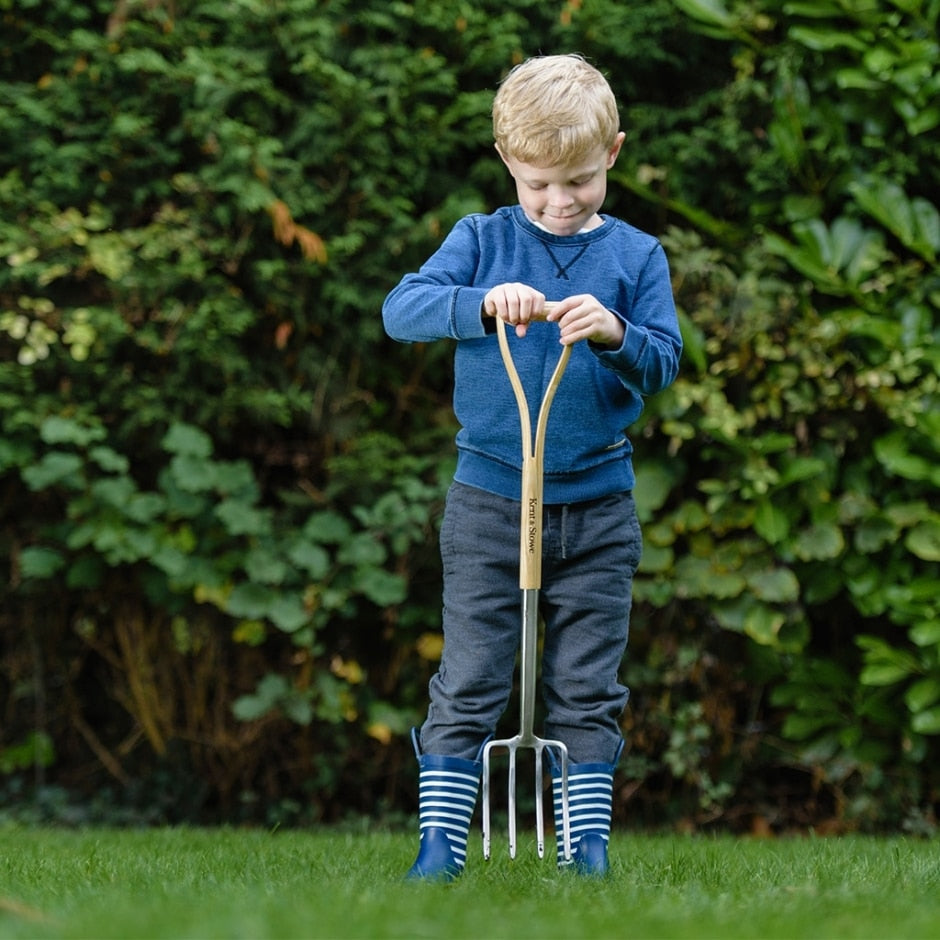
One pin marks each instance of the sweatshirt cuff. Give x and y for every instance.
(628, 352)
(467, 313)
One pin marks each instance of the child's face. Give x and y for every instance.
(564, 198)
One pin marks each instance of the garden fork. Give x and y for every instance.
(530, 575)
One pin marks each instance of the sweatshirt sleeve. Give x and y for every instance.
(648, 359)
(437, 302)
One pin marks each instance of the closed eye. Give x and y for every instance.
(573, 183)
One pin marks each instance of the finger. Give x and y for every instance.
(527, 309)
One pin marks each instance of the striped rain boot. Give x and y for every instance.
(590, 799)
(447, 795)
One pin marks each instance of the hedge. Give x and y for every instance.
(221, 483)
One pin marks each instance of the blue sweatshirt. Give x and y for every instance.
(587, 453)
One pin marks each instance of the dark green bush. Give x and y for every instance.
(220, 482)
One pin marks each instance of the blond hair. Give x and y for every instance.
(554, 110)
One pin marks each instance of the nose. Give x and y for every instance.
(559, 197)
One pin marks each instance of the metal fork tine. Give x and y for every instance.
(486, 801)
(512, 802)
(539, 818)
(565, 806)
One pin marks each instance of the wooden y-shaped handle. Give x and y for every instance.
(533, 452)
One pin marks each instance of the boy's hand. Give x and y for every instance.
(517, 304)
(584, 317)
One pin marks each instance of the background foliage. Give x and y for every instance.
(220, 482)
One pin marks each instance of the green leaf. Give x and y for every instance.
(327, 528)
(268, 695)
(711, 12)
(894, 454)
(819, 543)
(885, 664)
(250, 708)
(905, 515)
(387, 715)
(922, 694)
(698, 577)
(799, 726)
(362, 550)
(915, 222)
(109, 460)
(235, 478)
(656, 559)
(59, 430)
(924, 540)
(110, 255)
(856, 252)
(311, 558)
(836, 257)
(187, 440)
(763, 624)
(777, 586)
(883, 673)
(115, 492)
(265, 566)
(287, 613)
(298, 708)
(771, 521)
(193, 474)
(382, 587)
(38, 562)
(690, 517)
(693, 342)
(874, 533)
(145, 507)
(913, 597)
(654, 482)
(52, 469)
(927, 722)
(250, 632)
(926, 633)
(800, 468)
(821, 39)
(250, 601)
(171, 561)
(241, 519)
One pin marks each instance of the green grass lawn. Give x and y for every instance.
(205, 883)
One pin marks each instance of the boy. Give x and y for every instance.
(556, 129)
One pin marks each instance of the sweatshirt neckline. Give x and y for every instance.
(579, 238)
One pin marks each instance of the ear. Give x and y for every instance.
(614, 151)
(502, 156)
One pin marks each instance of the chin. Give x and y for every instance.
(563, 226)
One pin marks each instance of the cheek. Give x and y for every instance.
(531, 197)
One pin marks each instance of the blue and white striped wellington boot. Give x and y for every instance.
(590, 800)
(447, 795)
